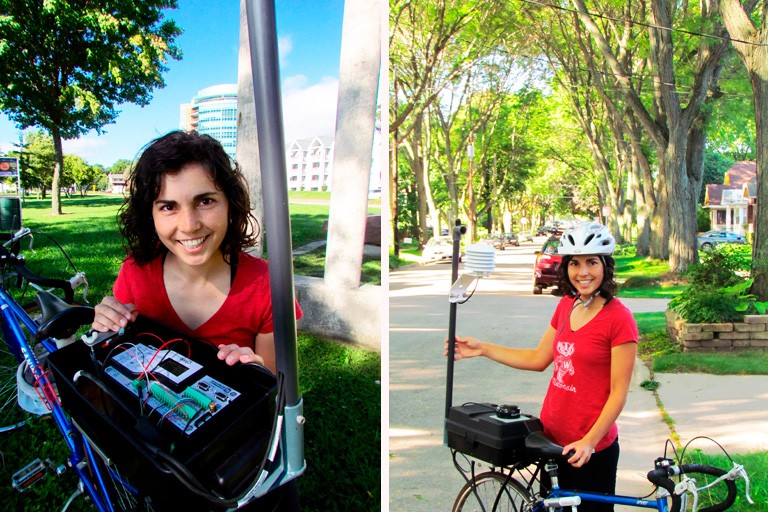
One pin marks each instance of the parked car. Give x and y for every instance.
(527, 237)
(438, 248)
(493, 241)
(710, 239)
(546, 265)
(508, 239)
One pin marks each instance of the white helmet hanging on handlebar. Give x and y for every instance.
(587, 238)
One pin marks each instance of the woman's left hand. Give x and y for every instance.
(232, 354)
(583, 451)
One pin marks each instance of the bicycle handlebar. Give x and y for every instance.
(67, 286)
(661, 477)
(17, 236)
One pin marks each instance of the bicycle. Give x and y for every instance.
(183, 429)
(517, 485)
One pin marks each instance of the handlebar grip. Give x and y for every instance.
(660, 478)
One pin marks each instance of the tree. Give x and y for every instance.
(66, 65)
(122, 166)
(36, 161)
(433, 44)
(751, 43)
(674, 121)
(82, 175)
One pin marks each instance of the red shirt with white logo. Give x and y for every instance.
(581, 379)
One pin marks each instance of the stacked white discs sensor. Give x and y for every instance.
(480, 260)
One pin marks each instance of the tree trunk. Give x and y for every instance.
(356, 111)
(754, 55)
(419, 171)
(247, 151)
(760, 243)
(58, 168)
(682, 203)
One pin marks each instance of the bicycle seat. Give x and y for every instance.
(59, 319)
(538, 445)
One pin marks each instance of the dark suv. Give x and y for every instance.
(545, 267)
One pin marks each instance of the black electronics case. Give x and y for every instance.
(224, 455)
(476, 429)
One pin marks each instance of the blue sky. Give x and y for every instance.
(309, 34)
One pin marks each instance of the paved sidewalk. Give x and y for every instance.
(733, 410)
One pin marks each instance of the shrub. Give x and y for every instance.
(714, 305)
(626, 249)
(716, 293)
(717, 269)
(706, 305)
(737, 256)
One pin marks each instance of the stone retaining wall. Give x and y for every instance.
(751, 334)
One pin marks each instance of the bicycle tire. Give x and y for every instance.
(485, 489)
(12, 414)
(123, 496)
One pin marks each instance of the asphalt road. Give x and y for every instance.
(503, 310)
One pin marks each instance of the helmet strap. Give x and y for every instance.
(588, 301)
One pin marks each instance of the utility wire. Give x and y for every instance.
(644, 24)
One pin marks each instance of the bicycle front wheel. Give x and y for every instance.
(123, 496)
(493, 492)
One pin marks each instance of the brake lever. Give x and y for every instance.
(77, 280)
(739, 471)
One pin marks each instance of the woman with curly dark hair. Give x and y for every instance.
(592, 343)
(186, 224)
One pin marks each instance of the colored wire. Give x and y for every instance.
(177, 406)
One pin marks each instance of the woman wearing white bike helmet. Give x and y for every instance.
(592, 341)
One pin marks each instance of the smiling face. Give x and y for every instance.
(191, 215)
(586, 273)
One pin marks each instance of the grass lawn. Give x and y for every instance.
(645, 278)
(664, 356)
(340, 385)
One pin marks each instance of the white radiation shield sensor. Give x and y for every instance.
(478, 262)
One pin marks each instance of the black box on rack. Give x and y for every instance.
(491, 433)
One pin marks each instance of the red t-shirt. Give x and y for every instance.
(581, 381)
(246, 312)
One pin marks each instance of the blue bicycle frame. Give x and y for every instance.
(13, 317)
(556, 492)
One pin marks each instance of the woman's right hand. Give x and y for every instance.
(112, 315)
(465, 348)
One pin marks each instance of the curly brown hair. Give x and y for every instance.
(169, 154)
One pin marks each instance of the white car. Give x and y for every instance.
(438, 248)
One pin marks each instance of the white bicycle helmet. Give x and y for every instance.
(587, 238)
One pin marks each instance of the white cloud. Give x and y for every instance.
(90, 148)
(284, 49)
(309, 110)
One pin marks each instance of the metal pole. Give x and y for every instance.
(458, 230)
(277, 223)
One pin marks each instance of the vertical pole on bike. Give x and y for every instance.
(269, 127)
(458, 230)
(262, 34)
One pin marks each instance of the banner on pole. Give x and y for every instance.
(9, 167)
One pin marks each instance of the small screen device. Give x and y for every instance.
(139, 359)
